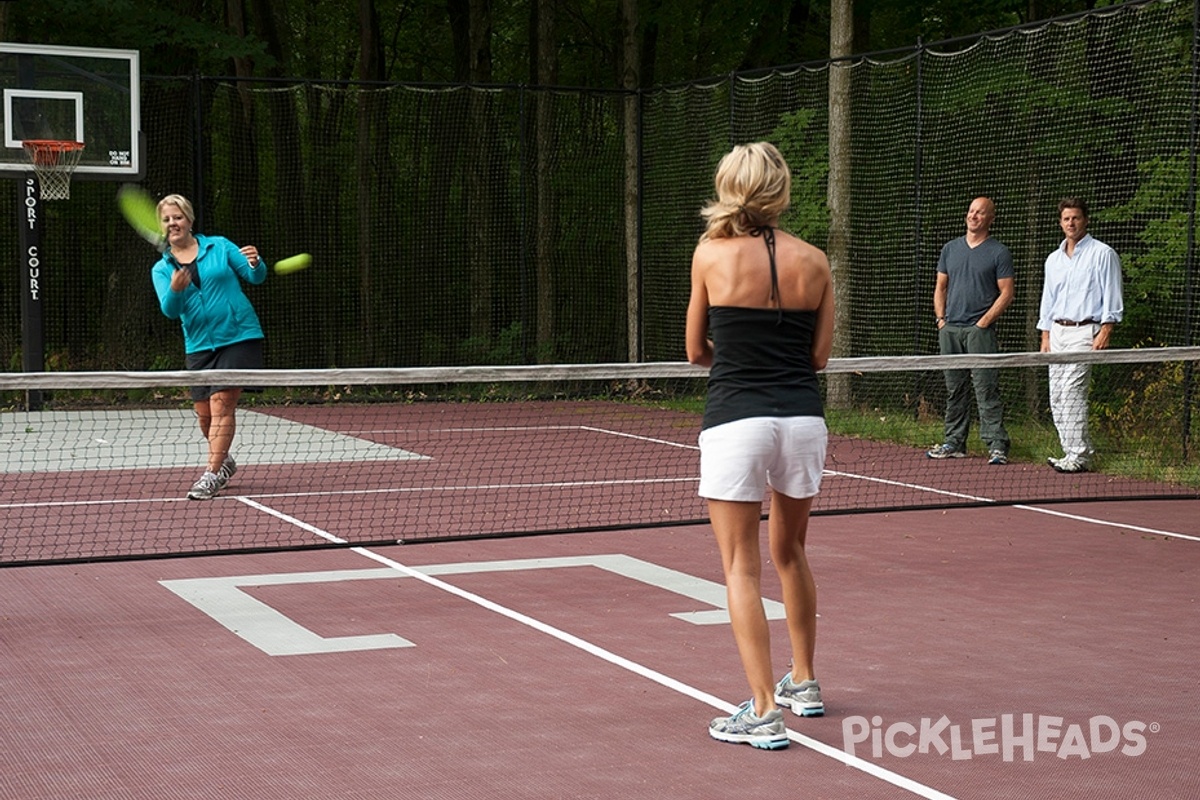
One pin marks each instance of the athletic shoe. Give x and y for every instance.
(1069, 463)
(997, 457)
(228, 467)
(766, 732)
(802, 698)
(206, 488)
(945, 451)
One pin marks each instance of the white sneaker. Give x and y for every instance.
(802, 698)
(745, 727)
(206, 488)
(1069, 463)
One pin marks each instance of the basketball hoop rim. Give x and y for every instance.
(53, 161)
(48, 152)
(61, 145)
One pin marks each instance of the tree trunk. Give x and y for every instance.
(769, 45)
(545, 146)
(291, 214)
(472, 23)
(841, 36)
(631, 81)
(371, 150)
(245, 175)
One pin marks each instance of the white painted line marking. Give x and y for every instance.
(867, 767)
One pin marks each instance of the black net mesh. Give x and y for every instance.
(105, 467)
(455, 225)
(509, 225)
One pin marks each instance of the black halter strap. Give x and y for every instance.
(768, 235)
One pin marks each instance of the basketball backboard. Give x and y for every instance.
(82, 94)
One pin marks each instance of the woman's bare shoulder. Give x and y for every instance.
(801, 249)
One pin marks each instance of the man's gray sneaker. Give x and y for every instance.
(228, 467)
(744, 727)
(206, 488)
(802, 698)
(996, 457)
(945, 451)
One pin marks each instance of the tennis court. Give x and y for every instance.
(365, 611)
(1014, 651)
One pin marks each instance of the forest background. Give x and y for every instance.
(583, 43)
(518, 183)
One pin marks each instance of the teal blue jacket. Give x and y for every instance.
(218, 313)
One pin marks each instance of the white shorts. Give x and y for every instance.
(740, 458)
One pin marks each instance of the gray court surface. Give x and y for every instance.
(52, 441)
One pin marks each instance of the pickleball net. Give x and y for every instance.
(378, 456)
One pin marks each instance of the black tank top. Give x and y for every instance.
(762, 360)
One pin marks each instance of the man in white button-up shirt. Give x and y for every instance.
(1081, 302)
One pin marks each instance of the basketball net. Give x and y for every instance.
(54, 162)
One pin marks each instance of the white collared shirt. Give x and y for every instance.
(1082, 286)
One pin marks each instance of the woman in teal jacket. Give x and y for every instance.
(198, 282)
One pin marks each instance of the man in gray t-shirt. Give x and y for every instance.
(974, 286)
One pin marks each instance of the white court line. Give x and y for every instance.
(1108, 523)
(914, 486)
(975, 498)
(302, 525)
(527, 428)
(483, 487)
(640, 438)
(481, 428)
(849, 760)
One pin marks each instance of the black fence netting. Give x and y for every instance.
(455, 225)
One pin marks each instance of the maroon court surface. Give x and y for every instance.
(1013, 652)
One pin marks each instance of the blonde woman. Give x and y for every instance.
(761, 316)
(198, 282)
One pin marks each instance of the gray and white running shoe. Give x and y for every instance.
(745, 727)
(802, 698)
(228, 467)
(206, 488)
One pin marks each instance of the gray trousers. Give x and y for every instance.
(957, 339)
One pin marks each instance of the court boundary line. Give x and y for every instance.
(987, 502)
(873, 770)
(1107, 523)
(355, 492)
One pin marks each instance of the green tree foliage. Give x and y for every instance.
(175, 38)
(807, 153)
(445, 171)
(324, 39)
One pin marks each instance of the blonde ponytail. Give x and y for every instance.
(754, 188)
